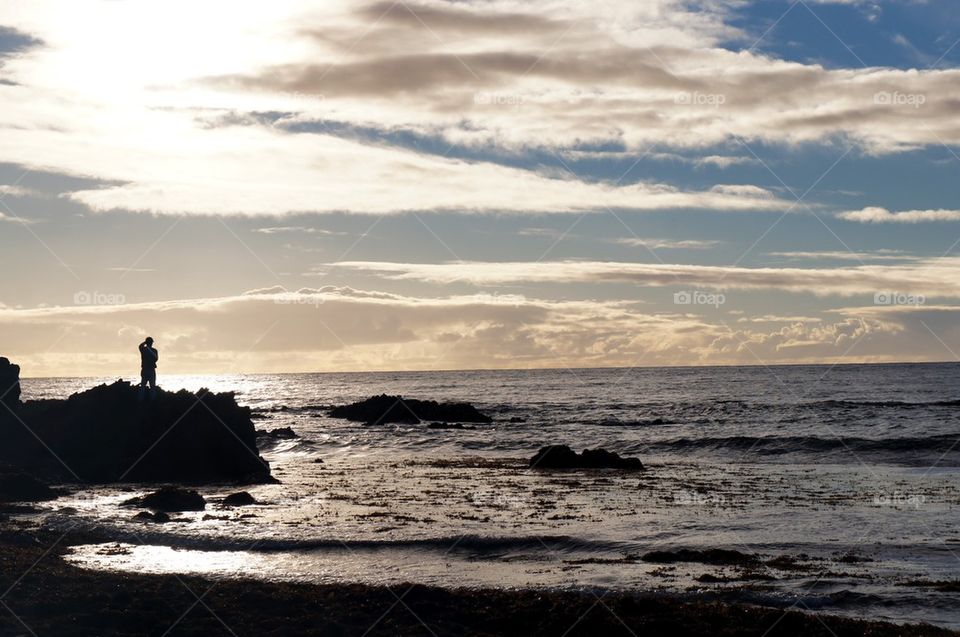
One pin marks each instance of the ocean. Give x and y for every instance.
(838, 486)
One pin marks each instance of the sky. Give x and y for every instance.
(417, 185)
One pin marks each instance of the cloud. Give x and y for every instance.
(930, 277)
(13, 41)
(841, 255)
(505, 77)
(775, 318)
(613, 74)
(882, 215)
(255, 170)
(347, 329)
(296, 230)
(723, 161)
(668, 244)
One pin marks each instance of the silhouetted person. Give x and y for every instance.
(148, 368)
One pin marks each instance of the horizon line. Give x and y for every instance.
(522, 369)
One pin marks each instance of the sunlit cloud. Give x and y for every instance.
(882, 215)
(668, 244)
(348, 329)
(539, 75)
(844, 255)
(290, 110)
(930, 277)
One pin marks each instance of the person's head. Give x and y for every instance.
(149, 340)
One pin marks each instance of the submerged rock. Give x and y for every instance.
(159, 517)
(447, 425)
(18, 487)
(169, 499)
(720, 557)
(280, 433)
(396, 409)
(240, 499)
(563, 457)
(108, 434)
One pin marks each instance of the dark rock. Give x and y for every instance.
(516, 419)
(159, 517)
(107, 434)
(18, 487)
(281, 433)
(395, 409)
(563, 457)
(447, 425)
(789, 563)
(555, 457)
(169, 499)
(9, 385)
(720, 557)
(943, 586)
(240, 499)
(853, 558)
(603, 459)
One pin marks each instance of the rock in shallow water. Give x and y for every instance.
(159, 517)
(563, 457)
(396, 409)
(280, 433)
(169, 500)
(240, 499)
(447, 425)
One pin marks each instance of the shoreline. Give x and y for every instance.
(52, 597)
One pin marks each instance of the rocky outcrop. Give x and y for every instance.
(9, 385)
(111, 434)
(563, 457)
(240, 499)
(169, 500)
(396, 409)
(280, 433)
(17, 487)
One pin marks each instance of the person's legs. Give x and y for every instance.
(151, 378)
(148, 377)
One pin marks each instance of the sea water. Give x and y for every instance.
(851, 471)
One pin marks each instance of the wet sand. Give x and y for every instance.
(46, 596)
